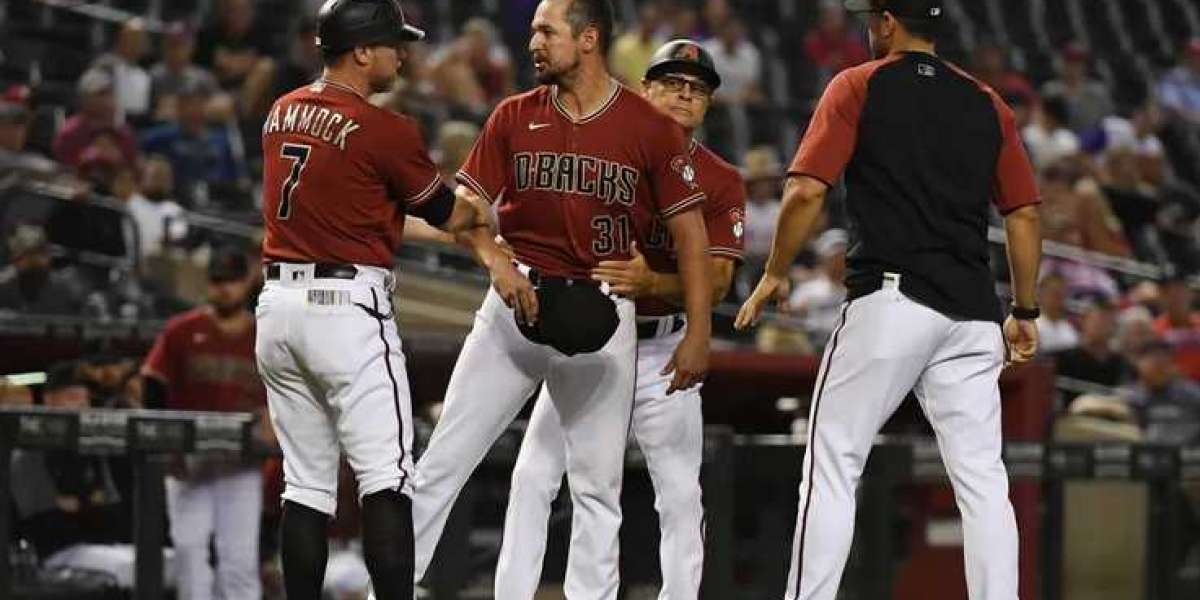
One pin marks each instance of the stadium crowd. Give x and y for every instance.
(116, 164)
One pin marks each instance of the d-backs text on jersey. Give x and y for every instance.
(611, 182)
(329, 126)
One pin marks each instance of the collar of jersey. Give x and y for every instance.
(612, 99)
(340, 86)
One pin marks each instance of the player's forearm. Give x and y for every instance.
(1023, 227)
(803, 199)
(691, 243)
(482, 244)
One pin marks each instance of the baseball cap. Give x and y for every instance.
(684, 56)
(905, 9)
(227, 264)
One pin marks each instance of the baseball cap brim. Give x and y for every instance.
(684, 66)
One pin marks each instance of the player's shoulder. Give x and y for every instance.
(710, 161)
(523, 103)
(635, 107)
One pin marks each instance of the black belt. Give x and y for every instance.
(649, 329)
(320, 271)
(540, 280)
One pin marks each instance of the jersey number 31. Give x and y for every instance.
(298, 154)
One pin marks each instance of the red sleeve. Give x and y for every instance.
(410, 174)
(161, 362)
(486, 168)
(833, 130)
(724, 216)
(672, 174)
(1015, 184)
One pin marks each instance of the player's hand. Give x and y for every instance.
(629, 278)
(1021, 337)
(516, 290)
(689, 363)
(768, 288)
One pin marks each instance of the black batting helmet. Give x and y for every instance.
(344, 24)
(683, 56)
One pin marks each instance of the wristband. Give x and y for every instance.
(1025, 314)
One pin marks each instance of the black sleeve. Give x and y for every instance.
(436, 210)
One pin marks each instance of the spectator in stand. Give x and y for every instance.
(1055, 331)
(97, 114)
(1179, 89)
(68, 505)
(1167, 404)
(1179, 325)
(237, 48)
(739, 63)
(27, 285)
(681, 21)
(177, 71)
(200, 154)
(204, 360)
(303, 63)
(818, 301)
(123, 62)
(631, 50)
(1075, 213)
(763, 174)
(1088, 100)
(473, 72)
(15, 160)
(834, 46)
(989, 64)
(1095, 360)
(1047, 139)
(160, 221)
(1135, 329)
(1134, 201)
(454, 142)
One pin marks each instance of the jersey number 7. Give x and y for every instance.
(298, 153)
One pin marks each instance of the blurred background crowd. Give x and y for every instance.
(129, 155)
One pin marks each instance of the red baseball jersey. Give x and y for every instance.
(339, 176)
(204, 367)
(573, 192)
(724, 214)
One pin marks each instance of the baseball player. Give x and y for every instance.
(340, 175)
(926, 151)
(669, 428)
(204, 360)
(575, 187)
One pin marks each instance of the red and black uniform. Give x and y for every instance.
(205, 368)
(573, 192)
(919, 195)
(724, 215)
(339, 176)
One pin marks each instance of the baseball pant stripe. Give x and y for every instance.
(812, 429)
(387, 361)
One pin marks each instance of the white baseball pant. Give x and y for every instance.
(885, 345)
(496, 373)
(670, 432)
(330, 356)
(228, 509)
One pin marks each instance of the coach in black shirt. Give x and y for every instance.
(926, 152)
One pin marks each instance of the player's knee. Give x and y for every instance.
(535, 482)
(680, 499)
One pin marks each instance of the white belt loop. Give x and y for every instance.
(891, 281)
